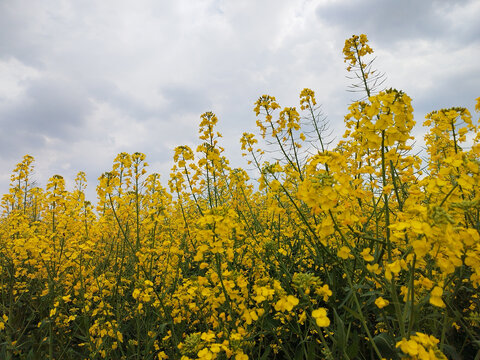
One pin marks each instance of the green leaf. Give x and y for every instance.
(386, 344)
(353, 349)
(355, 314)
(266, 354)
(340, 335)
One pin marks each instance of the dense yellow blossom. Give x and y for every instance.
(294, 257)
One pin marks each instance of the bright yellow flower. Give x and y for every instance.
(286, 303)
(436, 297)
(381, 302)
(366, 255)
(320, 316)
(161, 355)
(241, 356)
(409, 347)
(205, 354)
(324, 291)
(344, 253)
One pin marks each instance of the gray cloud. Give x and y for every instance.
(49, 109)
(110, 93)
(457, 89)
(185, 99)
(395, 21)
(16, 28)
(109, 76)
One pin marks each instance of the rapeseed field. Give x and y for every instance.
(358, 250)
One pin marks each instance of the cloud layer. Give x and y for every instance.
(82, 81)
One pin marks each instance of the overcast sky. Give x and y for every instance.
(81, 81)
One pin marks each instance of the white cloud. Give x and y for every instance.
(14, 75)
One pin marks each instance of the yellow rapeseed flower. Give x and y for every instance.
(320, 316)
(366, 255)
(286, 303)
(344, 253)
(436, 297)
(381, 302)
